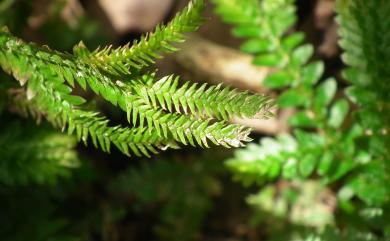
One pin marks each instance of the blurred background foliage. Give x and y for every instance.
(293, 189)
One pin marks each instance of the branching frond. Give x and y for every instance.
(87, 124)
(161, 113)
(142, 53)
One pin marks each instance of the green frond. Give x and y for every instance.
(298, 157)
(365, 34)
(86, 124)
(154, 109)
(209, 101)
(142, 53)
(141, 141)
(41, 158)
(264, 24)
(331, 150)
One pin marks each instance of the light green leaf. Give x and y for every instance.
(292, 41)
(312, 73)
(302, 54)
(307, 165)
(247, 31)
(325, 163)
(267, 60)
(324, 95)
(338, 113)
(254, 46)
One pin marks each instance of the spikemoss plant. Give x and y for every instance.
(161, 112)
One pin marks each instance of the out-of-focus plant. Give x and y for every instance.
(180, 192)
(340, 140)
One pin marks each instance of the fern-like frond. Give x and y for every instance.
(365, 36)
(144, 52)
(87, 124)
(208, 101)
(154, 109)
(41, 158)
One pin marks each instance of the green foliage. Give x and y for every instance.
(31, 155)
(181, 192)
(291, 210)
(305, 153)
(345, 148)
(28, 214)
(361, 22)
(126, 60)
(48, 79)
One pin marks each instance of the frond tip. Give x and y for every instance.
(143, 52)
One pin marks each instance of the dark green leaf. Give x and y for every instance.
(302, 119)
(292, 98)
(277, 80)
(74, 99)
(267, 60)
(372, 184)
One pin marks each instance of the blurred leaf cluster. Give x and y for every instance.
(339, 137)
(181, 194)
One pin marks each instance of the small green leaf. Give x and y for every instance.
(312, 73)
(323, 95)
(247, 31)
(74, 99)
(292, 41)
(342, 168)
(291, 98)
(338, 113)
(286, 21)
(254, 46)
(302, 119)
(307, 165)
(80, 50)
(290, 170)
(302, 54)
(277, 80)
(267, 60)
(325, 163)
(309, 140)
